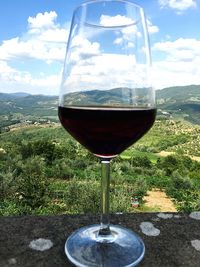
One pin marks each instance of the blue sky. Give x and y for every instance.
(34, 33)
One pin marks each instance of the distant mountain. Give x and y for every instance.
(182, 102)
(20, 94)
(96, 97)
(180, 93)
(27, 104)
(12, 96)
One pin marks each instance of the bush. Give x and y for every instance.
(6, 182)
(159, 180)
(120, 199)
(60, 169)
(33, 188)
(187, 200)
(10, 170)
(143, 162)
(83, 197)
(122, 194)
(180, 182)
(9, 207)
(45, 148)
(140, 188)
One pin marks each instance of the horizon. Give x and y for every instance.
(33, 43)
(36, 94)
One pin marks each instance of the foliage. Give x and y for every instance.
(82, 197)
(44, 171)
(9, 207)
(45, 148)
(33, 186)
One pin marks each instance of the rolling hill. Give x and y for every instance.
(35, 105)
(181, 102)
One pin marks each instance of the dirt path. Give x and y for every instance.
(196, 158)
(167, 153)
(158, 199)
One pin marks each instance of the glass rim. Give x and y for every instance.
(89, 2)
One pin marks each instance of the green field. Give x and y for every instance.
(45, 171)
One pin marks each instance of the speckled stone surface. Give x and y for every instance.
(176, 244)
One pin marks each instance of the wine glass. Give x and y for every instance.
(106, 103)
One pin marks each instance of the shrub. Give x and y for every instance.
(9, 207)
(6, 184)
(33, 185)
(188, 200)
(120, 199)
(83, 197)
(10, 169)
(168, 164)
(60, 169)
(141, 162)
(45, 148)
(180, 182)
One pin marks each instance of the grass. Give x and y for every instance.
(144, 208)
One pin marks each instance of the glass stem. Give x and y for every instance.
(105, 190)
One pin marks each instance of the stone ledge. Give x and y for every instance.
(171, 239)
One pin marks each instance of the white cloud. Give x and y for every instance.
(83, 49)
(46, 20)
(104, 71)
(118, 20)
(12, 80)
(166, 74)
(45, 40)
(5, 71)
(152, 28)
(179, 50)
(126, 36)
(179, 64)
(91, 67)
(19, 49)
(10, 76)
(123, 20)
(54, 35)
(178, 5)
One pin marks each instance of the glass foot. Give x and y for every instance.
(122, 248)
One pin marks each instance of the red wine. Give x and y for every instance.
(106, 132)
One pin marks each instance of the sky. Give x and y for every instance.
(34, 34)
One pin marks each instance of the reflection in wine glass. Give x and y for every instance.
(106, 103)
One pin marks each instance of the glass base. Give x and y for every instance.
(122, 248)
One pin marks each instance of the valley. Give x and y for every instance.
(43, 170)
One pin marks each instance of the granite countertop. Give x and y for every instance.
(171, 239)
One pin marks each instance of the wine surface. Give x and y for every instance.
(106, 132)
